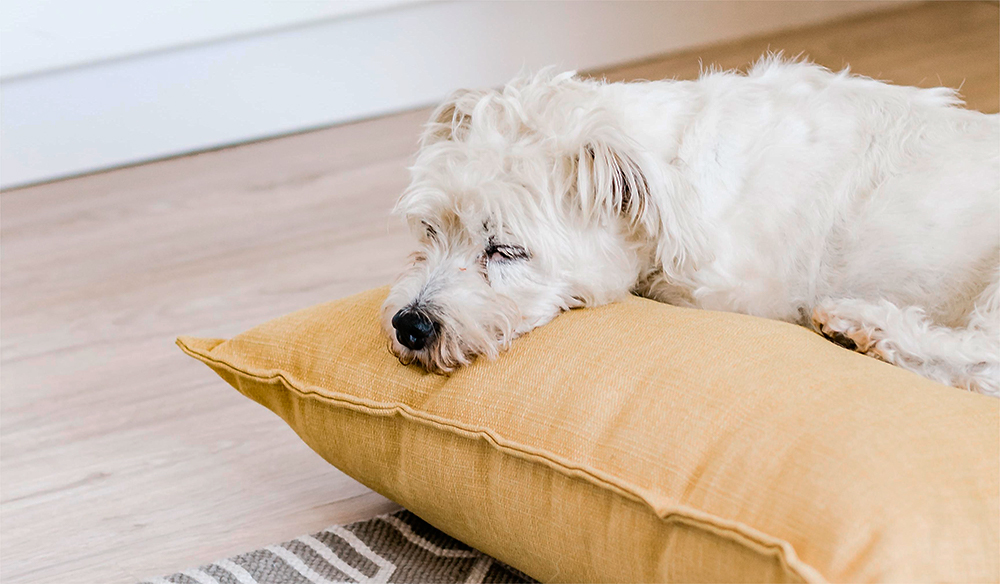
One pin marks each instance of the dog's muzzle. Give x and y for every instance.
(414, 330)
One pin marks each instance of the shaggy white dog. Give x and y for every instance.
(868, 211)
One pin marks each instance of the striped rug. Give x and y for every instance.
(398, 547)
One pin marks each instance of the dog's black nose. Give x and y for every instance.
(413, 328)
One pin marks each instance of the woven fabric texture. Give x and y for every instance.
(394, 548)
(643, 442)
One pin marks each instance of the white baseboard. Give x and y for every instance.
(151, 106)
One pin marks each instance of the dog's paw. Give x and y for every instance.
(845, 331)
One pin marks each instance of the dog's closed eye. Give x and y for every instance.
(505, 253)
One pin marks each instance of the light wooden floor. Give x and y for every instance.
(122, 458)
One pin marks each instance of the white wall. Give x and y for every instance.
(38, 36)
(145, 83)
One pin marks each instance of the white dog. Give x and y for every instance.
(868, 211)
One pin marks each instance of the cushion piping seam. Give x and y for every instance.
(735, 531)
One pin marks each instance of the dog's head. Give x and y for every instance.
(525, 202)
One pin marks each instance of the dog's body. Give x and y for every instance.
(868, 211)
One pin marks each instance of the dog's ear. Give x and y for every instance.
(452, 119)
(614, 179)
(610, 180)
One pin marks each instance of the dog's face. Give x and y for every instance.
(497, 258)
(507, 239)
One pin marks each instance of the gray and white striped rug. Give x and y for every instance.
(398, 547)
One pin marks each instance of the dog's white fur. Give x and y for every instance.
(868, 211)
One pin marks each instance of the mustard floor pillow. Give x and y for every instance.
(641, 442)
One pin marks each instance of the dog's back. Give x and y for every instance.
(819, 184)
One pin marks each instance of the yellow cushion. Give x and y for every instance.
(644, 442)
